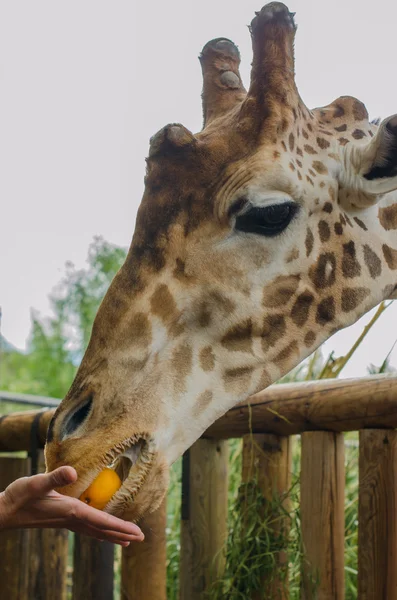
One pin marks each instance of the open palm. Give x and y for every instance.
(33, 502)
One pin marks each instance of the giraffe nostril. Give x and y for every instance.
(77, 418)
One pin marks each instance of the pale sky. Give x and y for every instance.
(84, 84)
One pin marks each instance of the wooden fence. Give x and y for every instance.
(33, 563)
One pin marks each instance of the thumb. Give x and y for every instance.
(61, 476)
(58, 478)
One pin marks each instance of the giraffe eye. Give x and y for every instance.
(267, 220)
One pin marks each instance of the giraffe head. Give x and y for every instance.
(255, 241)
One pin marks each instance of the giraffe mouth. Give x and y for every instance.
(132, 461)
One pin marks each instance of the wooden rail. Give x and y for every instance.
(288, 409)
(319, 411)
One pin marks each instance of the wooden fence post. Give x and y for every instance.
(322, 515)
(268, 458)
(144, 565)
(377, 533)
(204, 516)
(93, 569)
(48, 558)
(14, 545)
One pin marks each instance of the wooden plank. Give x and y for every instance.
(204, 517)
(48, 559)
(326, 405)
(288, 409)
(267, 459)
(15, 429)
(377, 534)
(93, 569)
(144, 565)
(322, 515)
(14, 545)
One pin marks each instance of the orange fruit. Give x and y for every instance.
(104, 486)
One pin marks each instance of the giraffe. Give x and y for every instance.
(256, 240)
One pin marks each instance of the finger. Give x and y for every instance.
(104, 521)
(42, 484)
(109, 536)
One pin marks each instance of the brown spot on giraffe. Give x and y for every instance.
(140, 328)
(239, 337)
(265, 380)
(339, 111)
(291, 141)
(182, 362)
(273, 329)
(341, 128)
(325, 311)
(350, 266)
(163, 306)
(281, 291)
(292, 255)
(309, 339)
(301, 308)
(320, 167)
(359, 111)
(204, 315)
(388, 217)
(352, 297)
(309, 241)
(202, 402)
(323, 143)
(322, 273)
(215, 303)
(328, 207)
(286, 355)
(237, 379)
(390, 255)
(358, 134)
(372, 261)
(207, 359)
(324, 231)
(361, 224)
(309, 149)
(179, 271)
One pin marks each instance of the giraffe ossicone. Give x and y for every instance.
(256, 240)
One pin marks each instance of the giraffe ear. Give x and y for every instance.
(381, 160)
(371, 170)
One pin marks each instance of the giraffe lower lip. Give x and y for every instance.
(132, 466)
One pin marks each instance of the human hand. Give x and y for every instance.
(33, 502)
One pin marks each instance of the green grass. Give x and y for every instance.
(252, 546)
